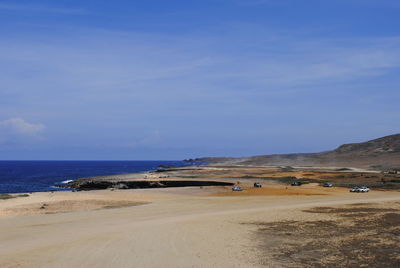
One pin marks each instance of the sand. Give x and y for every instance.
(174, 227)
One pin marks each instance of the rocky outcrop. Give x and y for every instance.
(93, 184)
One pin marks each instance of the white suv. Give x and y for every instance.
(364, 189)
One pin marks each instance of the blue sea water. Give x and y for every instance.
(38, 176)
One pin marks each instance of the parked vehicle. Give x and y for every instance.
(257, 185)
(362, 189)
(328, 184)
(237, 188)
(297, 183)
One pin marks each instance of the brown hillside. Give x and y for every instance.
(382, 153)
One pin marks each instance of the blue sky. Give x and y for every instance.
(180, 79)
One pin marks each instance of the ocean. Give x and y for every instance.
(39, 176)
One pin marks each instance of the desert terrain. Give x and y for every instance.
(277, 225)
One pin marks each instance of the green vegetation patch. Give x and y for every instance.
(287, 169)
(343, 169)
(290, 179)
(8, 196)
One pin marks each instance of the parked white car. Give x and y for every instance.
(362, 189)
(237, 188)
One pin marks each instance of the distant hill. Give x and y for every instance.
(382, 153)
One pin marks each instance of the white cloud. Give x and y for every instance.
(14, 129)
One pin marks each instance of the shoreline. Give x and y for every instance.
(164, 173)
(38, 176)
(209, 226)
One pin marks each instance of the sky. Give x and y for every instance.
(169, 80)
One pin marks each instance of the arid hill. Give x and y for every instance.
(382, 154)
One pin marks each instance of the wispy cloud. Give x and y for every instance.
(130, 60)
(180, 71)
(41, 9)
(98, 87)
(301, 62)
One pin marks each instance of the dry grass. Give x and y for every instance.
(355, 236)
(9, 196)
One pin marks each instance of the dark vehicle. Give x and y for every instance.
(297, 183)
(257, 185)
(328, 185)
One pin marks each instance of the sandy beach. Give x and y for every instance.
(171, 227)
